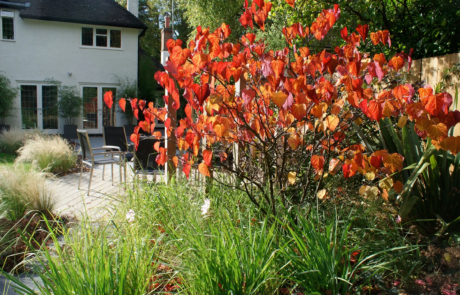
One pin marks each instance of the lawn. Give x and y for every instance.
(7, 159)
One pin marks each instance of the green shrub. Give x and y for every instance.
(49, 153)
(70, 104)
(23, 189)
(7, 96)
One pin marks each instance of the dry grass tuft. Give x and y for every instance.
(21, 190)
(12, 140)
(48, 153)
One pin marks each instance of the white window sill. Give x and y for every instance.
(101, 48)
(8, 40)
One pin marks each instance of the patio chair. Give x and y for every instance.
(145, 157)
(115, 140)
(88, 157)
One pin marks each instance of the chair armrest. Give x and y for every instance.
(113, 153)
(101, 148)
(112, 147)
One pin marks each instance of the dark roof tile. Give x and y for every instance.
(95, 12)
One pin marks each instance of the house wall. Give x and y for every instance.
(48, 49)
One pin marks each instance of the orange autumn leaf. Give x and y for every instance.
(175, 160)
(204, 169)
(279, 98)
(332, 122)
(299, 110)
(394, 161)
(156, 146)
(396, 63)
(317, 162)
(398, 186)
(207, 157)
(122, 104)
(294, 142)
(291, 3)
(451, 144)
(278, 67)
(179, 55)
(437, 131)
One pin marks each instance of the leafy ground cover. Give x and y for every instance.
(177, 240)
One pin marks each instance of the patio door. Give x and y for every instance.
(96, 114)
(39, 108)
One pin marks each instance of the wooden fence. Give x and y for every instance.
(430, 71)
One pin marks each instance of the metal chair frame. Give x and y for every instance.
(90, 160)
(138, 170)
(116, 148)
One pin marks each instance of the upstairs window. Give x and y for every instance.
(101, 38)
(7, 24)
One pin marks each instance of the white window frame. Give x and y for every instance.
(108, 38)
(4, 14)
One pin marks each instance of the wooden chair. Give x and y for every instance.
(88, 157)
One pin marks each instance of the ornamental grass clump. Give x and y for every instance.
(23, 190)
(49, 153)
(96, 260)
(14, 139)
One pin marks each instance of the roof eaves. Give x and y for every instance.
(14, 5)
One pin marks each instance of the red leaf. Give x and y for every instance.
(344, 34)
(363, 30)
(188, 111)
(122, 104)
(108, 99)
(317, 162)
(162, 157)
(186, 169)
(207, 157)
(376, 161)
(202, 92)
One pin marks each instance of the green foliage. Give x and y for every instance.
(431, 194)
(70, 104)
(93, 261)
(212, 13)
(7, 96)
(7, 159)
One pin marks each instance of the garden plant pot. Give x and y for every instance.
(70, 131)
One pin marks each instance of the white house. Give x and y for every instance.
(82, 43)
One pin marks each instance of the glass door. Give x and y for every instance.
(29, 109)
(91, 110)
(39, 107)
(48, 113)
